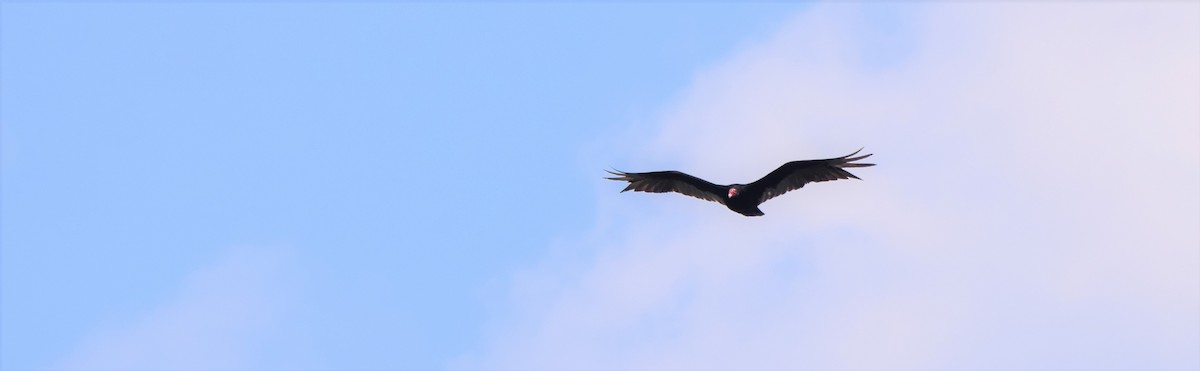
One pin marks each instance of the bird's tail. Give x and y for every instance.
(754, 212)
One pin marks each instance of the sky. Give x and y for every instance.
(374, 185)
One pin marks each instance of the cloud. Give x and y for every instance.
(216, 322)
(1034, 206)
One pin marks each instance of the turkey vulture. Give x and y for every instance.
(744, 198)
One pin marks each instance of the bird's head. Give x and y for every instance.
(734, 191)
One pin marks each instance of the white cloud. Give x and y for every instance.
(1034, 206)
(216, 322)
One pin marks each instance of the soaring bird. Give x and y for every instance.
(744, 198)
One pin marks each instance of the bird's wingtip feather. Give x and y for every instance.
(620, 175)
(849, 161)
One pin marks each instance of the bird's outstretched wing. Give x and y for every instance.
(796, 174)
(671, 181)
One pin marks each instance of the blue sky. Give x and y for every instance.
(405, 156)
(417, 186)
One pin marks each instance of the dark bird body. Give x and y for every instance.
(744, 198)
